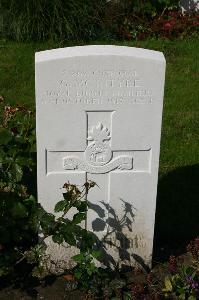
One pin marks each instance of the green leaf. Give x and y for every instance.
(79, 217)
(47, 223)
(58, 238)
(30, 200)
(2, 156)
(192, 298)
(82, 206)
(127, 296)
(19, 139)
(33, 148)
(168, 285)
(68, 196)
(4, 270)
(69, 238)
(182, 296)
(5, 136)
(17, 172)
(60, 206)
(96, 254)
(78, 274)
(18, 210)
(22, 161)
(78, 257)
(89, 271)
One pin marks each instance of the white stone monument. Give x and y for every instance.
(99, 112)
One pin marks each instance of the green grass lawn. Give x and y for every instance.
(180, 131)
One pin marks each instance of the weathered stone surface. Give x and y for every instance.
(99, 111)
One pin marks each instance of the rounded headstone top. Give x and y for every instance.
(98, 50)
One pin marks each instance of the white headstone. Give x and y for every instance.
(99, 112)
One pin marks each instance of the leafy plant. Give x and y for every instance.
(193, 249)
(17, 184)
(183, 285)
(86, 268)
(62, 229)
(163, 18)
(49, 19)
(175, 24)
(17, 150)
(182, 282)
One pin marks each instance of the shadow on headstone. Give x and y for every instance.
(177, 212)
(115, 236)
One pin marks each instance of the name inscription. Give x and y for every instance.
(98, 87)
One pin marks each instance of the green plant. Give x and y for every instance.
(175, 24)
(183, 285)
(62, 229)
(182, 282)
(193, 249)
(17, 184)
(49, 19)
(86, 268)
(17, 150)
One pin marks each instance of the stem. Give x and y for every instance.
(21, 259)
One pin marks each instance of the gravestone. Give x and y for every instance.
(99, 112)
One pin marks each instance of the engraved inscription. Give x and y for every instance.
(122, 162)
(98, 152)
(98, 155)
(98, 87)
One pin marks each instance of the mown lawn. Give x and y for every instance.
(180, 131)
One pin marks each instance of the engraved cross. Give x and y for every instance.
(98, 162)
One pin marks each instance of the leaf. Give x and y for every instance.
(5, 136)
(69, 238)
(81, 206)
(168, 285)
(89, 271)
(4, 270)
(192, 298)
(20, 139)
(126, 296)
(78, 257)
(68, 232)
(47, 223)
(96, 254)
(79, 217)
(30, 200)
(58, 238)
(21, 160)
(17, 172)
(68, 196)
(182, 296)
(2, 156)
(117, 283)
(19, 210)
(78, 274)
(60, 206)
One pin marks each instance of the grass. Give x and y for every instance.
(180, 130)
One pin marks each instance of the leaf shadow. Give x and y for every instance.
(115, 228)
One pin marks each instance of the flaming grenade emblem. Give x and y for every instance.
(98, 152)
